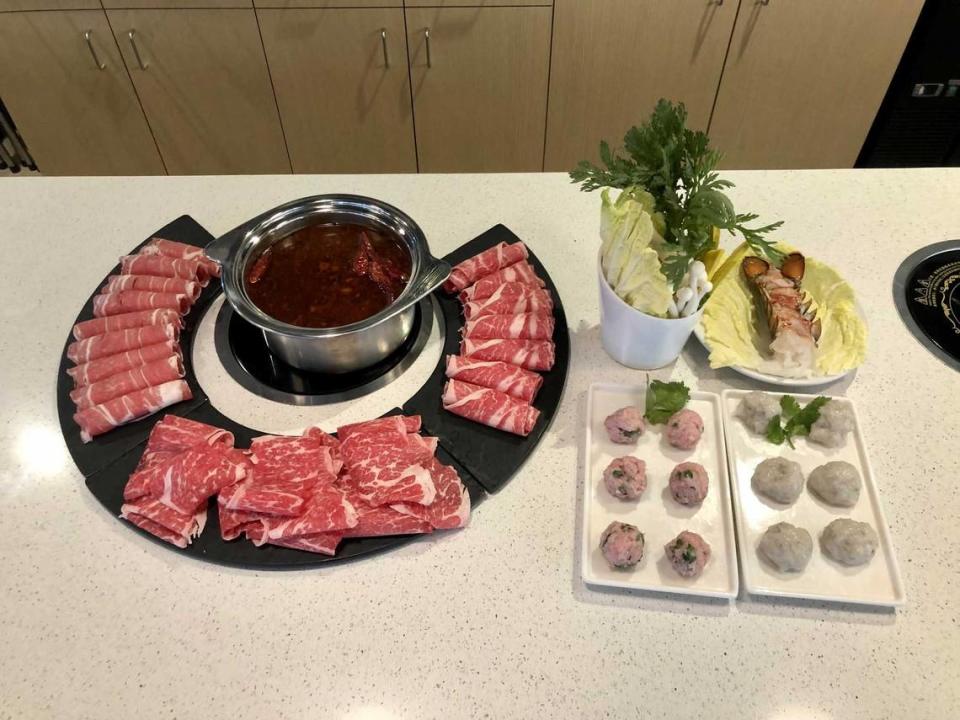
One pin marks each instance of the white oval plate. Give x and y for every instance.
(814, 381)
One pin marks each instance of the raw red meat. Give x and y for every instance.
(111, 343)
(99, 419)
(524, 326)
(103, 368)
(154, 373)
(385, 461)
(174, 249)
(506, 378)
(164, 522)
(485, 263)
(502, 303)
(280, 500)
(521, 273)
(99, 326)
(164, 266)
(127, 301)
(323, 543)
(282, 459)
(529, 354)
(326, 510)
(152, 283)
(450, 509)
(187, 479)
(384, 520)
(489, 407)
(176, 434)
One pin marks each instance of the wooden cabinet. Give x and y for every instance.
(319, 4)
(804, 78)
(176, 4)
(14, 5)
(613, 60)
(479, 87)
(202, 78)
(77, 118)
(343, 88)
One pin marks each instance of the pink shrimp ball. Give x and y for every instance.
(625, 425)
(689, 483)
(626, 477)
(688, 554)
(622, 545)
(684, 429)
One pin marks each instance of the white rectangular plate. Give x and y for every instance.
(658, 516)
(876, 583)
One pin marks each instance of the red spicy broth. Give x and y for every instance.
(328, 275)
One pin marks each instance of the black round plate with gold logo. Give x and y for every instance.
(927, 294)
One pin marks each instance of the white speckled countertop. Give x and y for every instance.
(97, 622)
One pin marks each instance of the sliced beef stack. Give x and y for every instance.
(306, 492)
(507, 336)
(127, 360)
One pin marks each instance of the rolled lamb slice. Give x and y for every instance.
(530, 354)
(174, 249)
(164, 266)
(111, 343)
(531, 301)
(504, 377)
(97, 370)
(102, 418)
(98, 326)
(489, 261)
(521, 273)
(126, 301)
(152, 283)
(523, 326)
(138, 378)
(489, 407)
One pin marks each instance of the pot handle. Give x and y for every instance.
(430, 279)
(219, 249)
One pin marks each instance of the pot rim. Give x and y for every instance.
(234, 254)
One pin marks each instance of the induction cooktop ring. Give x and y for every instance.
(427, 312)
(902, 281)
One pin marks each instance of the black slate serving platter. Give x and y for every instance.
(485, 459)
(491, 455)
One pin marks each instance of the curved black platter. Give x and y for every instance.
(486, 459)
(926, 291)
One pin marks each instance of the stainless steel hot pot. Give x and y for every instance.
(339, 349)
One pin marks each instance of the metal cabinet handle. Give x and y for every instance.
(87, 35)
(383, 42)
(426, 35)
(136, 51)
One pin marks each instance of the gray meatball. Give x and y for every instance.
(831, 428)
(688, 554)
(622, 545)
(626, 478)
(836, 483)
(786, 547)
(778, 479)
(625, 425)
(849, 542)
(689, 483)
(757, 409)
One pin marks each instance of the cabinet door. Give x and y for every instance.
(76, 118)
(480, 99)
(342, 87)
(11, 5)
(205, 89)
(804, 79)
(613, 60)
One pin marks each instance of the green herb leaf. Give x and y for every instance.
(617, 473)
(775, 432)
(794, 420)
(678, 168)
(664, 399)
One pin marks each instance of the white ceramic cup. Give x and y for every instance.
(636, 339)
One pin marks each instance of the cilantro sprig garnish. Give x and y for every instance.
(677, 166)
(794, 420)
(664, 399)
